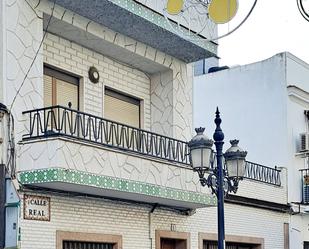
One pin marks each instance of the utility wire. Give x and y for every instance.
(36, 55)
(11, 164)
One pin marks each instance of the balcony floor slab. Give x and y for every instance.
(112, 187)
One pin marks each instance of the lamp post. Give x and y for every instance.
(220, 179)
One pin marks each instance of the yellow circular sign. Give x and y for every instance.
(222, 11)
(174, 7)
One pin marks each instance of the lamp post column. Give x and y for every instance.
(218, 137)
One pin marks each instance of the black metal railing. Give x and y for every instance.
(262, 173)
(305, 185)
(63, 121)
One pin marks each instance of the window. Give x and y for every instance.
(86, 245)
(214, 245)
(77, 240)
(209, 241)
(60, 89)
(121, 108)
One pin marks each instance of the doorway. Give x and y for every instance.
(172, 240)
(173, 244)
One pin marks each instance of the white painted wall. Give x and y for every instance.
(2, 49)
(262, 104)
(252, 102)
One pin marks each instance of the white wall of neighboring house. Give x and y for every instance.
(262, 104)
(251, 107)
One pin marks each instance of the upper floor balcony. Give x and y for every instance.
(143, 21)
(70, 150)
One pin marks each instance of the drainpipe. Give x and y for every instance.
(150, 223)
(2, 205)
(3, 153)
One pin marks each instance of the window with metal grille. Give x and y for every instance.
(229, 245)
(60, 88)
(121, 108)
(86, 245)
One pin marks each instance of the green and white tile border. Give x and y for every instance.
(112, 183)
(161, 21)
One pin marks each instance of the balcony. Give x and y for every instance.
(66, 149)
(58, 121)
(69, 150)
(264, 174)
(305, 186)
(138, 21)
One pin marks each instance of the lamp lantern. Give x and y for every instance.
(200, 152)
(235, 161)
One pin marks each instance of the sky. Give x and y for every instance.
(273, 27)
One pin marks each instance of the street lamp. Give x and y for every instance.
(220, 179)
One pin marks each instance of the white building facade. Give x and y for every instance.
(96, 112)
(265, 105)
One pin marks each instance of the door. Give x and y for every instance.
(168, 244)
(173, 243)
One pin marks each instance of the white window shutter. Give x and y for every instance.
(66, 93)
(121, 111)
(48, 91)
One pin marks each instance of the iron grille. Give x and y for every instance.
(62, 121)
(262, 173)
(305, 185)
(86, 245)
(214, 245)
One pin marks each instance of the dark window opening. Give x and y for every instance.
(86, 245)
(229, 245)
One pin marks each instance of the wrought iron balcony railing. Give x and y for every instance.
(62, 121)
(262, 173)
(305, 185)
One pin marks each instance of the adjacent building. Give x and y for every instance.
(265, 105)
(95, 115)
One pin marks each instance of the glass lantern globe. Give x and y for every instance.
(200, 152)
(235, 159)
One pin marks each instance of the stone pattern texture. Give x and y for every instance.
(178, 88)
(23, 41)
(66, 154)
(23, 36)
(172, 90)
(137, 226)
(23, 31)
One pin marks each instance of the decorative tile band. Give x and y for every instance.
(159, 20)
(112, 183)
